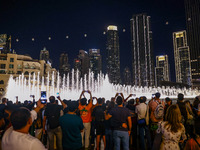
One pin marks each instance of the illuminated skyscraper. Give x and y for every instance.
(192, 10)
(142, 51)
(95, 61)
(127, 76)
(64, 67)
(113, 55)
(162, 69)
(5, 43)
(182, 57)
(44, 55)
(82, 63)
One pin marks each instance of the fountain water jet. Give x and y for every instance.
(70, 87)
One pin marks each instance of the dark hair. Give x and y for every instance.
(157, 95)
(142, 99)
(72, 106)
(167, 99)
(100, 101)
(131, 102)
(4, 100)
(19, 118)
(52, 99)
(83, 101)
(196, 103)
(180, 96)
(119, 100)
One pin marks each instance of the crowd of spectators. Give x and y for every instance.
(119, 123)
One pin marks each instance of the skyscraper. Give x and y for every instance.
(44, 54)
(5, 43)
(162, 69)
(82, 63)
(64, 67)
(182, 57)
(127, 76)
(192, 9)
(142, 51)
(95, 61)
(113, 55)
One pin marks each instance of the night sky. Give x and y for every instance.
(39, 19)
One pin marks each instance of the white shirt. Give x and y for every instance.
(141, 110)
(13, 140)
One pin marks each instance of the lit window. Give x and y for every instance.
(11, 66)
(11, 59)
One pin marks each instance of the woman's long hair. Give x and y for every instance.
(173, 118)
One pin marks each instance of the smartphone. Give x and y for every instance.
(57, 94)
(43, 97)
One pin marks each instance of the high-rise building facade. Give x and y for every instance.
(162, 69)
(64, 67)
(82, 63)
(192, 9)
(95, 61)
(5, 44)
(182, 57)
(142, 51)
(127, 76)
(113, 55)
(44, 54)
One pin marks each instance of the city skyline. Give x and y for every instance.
(68, 24)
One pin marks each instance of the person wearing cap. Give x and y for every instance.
(153, 120)
(17, 137)
(71, 125)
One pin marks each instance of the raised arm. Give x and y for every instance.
(128, 97)
(82, 93)
(63, 104)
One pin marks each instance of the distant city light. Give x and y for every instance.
(104, 32)
(33, 39)
(17, 40)
(124, 30)
(167, 23)
(189, 19)
(49, 38)
(67, 37)
(85, 35)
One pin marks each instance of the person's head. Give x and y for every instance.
(180, 97)
(21, 118)
(111, 105)
(83, 101)
(142, 99)
(72, 106)
(196, 102)
(4, 100)
(52, 99)
(168, 101)
(119, 100)
(157, 95)
(131, 102)
(173, 117)
(137, 100)
(100, 101)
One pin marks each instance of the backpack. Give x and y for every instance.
(53, 117)
(159, 111)
(99, 114)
